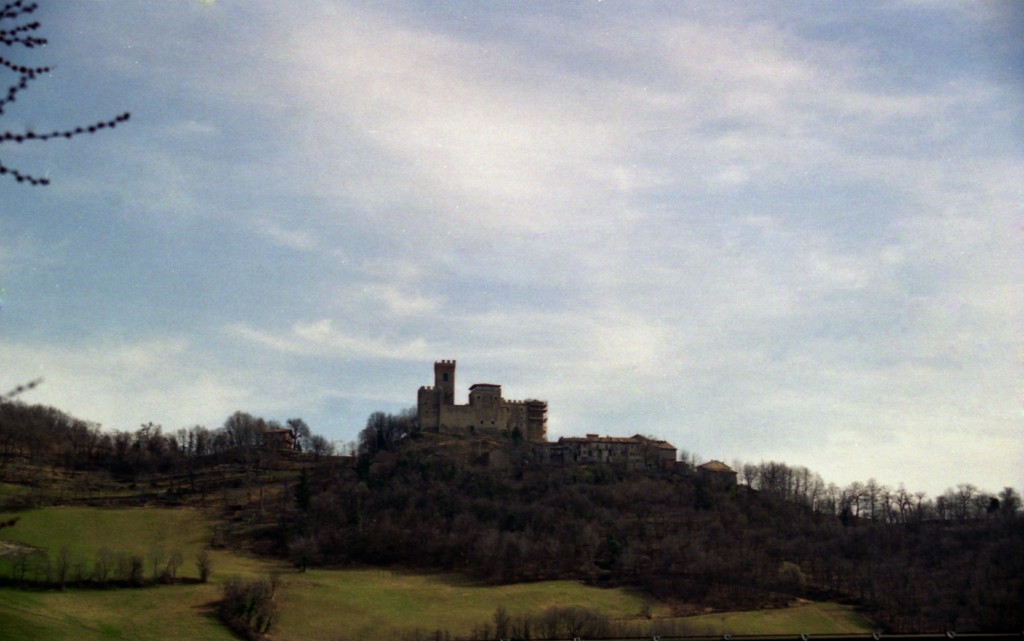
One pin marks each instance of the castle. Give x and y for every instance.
(486, 413)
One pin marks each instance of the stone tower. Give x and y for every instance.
(444, 381)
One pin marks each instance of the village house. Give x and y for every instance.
(634, 453)
(278, 439)
(717, 473)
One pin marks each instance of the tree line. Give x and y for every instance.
(873, 500)
(40, 435)
(35, 568)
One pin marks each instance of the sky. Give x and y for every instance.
(785, 231)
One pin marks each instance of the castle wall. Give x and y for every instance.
(428, 408)
(469, 418)
(486, 413)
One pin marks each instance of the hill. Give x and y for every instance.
(321, 604)
(487, 508)
(437, 503)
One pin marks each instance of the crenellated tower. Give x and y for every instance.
(444, 381)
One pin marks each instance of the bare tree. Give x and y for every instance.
(320, 446)
(156, 559)
(871, 494)
(174, 561)
(17, 29)
(384, 432)
(244, 429)
(204, 565)
(63, 565)
(1009, 502)
(300, 433)
(962, 499)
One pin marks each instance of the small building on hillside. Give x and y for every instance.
(717, 473)
(278, 439)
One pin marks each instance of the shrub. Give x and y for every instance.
(249, 607)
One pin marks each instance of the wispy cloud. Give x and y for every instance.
(122, 384)
(321, 338)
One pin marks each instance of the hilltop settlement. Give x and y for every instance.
(489, 414)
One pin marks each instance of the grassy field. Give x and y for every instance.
(133, 531)
(368, 604)
(8, 490)
(380, 604)
(178, 612)
(810, 618)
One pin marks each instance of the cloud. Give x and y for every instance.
(302, 240)
(404, 303)
(725, 208)
(122, 384)
(321, 338)
(433, 121)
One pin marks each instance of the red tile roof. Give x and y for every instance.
(716, 466)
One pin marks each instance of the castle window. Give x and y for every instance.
(444, 377)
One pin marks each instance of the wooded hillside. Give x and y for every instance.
(489, 509)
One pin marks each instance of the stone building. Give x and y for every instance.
(486, 413)
(717, 473)
(634, 453)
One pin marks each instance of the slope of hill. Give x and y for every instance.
(670, 534)
(321, 604)
(486, 508)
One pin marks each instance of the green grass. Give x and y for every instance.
(811, 618)
(132, 531)
(382, 604)
(10, 490)
(85, 531)
(316, 605)
(179, 612)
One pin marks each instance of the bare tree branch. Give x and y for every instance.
(19, 389)
(22, 34)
